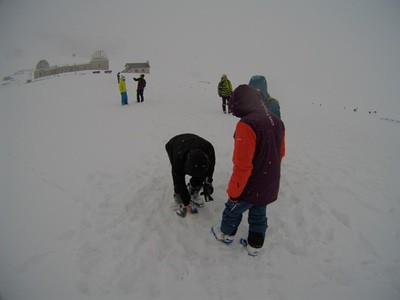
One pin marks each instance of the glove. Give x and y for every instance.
(208, 188)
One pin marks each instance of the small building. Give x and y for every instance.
(142, 68)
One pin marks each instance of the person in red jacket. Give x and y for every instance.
(254, 183)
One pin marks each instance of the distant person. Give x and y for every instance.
(140, 88)
(190, 155)
(123, 91)
(258, 150)
(260, 83)
(225, 91)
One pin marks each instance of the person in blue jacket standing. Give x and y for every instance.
(260, 83)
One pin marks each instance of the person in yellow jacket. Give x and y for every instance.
(225, 91)
(122, 90)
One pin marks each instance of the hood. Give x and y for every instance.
(260, 83)
(244, 100)
(197, 163)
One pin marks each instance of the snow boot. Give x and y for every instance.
(250, 250)
(220, 236)
(196, 199)
(177, 202)
(181, 211)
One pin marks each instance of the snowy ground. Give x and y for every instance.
(85, 184)
(86, 189)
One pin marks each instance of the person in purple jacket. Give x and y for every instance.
(254, 183)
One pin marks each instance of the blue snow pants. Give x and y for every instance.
(124, 98)
(257, 219)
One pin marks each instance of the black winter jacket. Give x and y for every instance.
(177, 149)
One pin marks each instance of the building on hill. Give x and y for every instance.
(142, 68)
(99, 61)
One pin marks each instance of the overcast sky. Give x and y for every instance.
(340, 51)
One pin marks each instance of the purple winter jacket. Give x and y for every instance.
(263, 184)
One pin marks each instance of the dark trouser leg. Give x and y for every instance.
(228, 104)
(224, 104)
(232, 216)
(257, 226)
(140, 95)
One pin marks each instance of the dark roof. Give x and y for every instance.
(137, 65)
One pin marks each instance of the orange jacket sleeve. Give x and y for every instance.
(243, 153)
(283, 146)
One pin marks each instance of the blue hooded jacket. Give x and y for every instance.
(260, 83)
